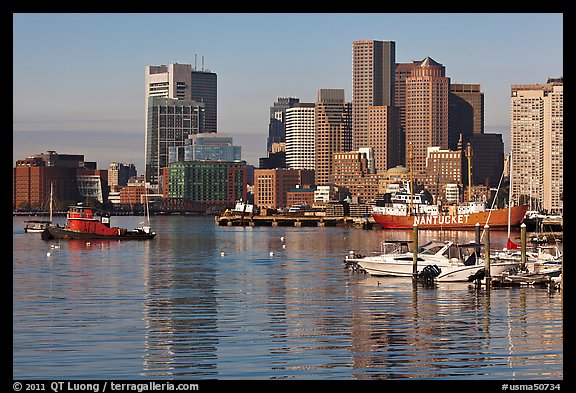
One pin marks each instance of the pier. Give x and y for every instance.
(291, 220)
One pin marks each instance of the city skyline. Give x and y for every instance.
(78, 79)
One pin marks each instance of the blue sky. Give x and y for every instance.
(78, 78)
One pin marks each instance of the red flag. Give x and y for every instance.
(511, 245)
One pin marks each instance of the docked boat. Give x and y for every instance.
(438, 261)
(82, 222)
(36, 226)
(405, 208)
(399, 215)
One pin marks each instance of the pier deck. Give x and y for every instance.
(290, 220)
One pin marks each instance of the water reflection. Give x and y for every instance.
(202, 301)
(180, 310)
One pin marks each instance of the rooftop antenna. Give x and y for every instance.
(195, 55)
(202, 63)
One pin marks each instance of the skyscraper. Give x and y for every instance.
(277, 126)
(300, 136)
(536, 143)
(333, 131)
(427, 91)
(176, 82)
(169, 123)
(466, 111)
(373, 90)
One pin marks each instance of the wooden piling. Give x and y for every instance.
(415, 252)
(487, 255)
(522, 246)
(477, 229)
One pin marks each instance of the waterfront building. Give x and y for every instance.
(217, 147)
(119, 173)
(351, 172)
(323, 194)
(333, 131)
(300, 136)
(300, 196)
(426, 112)
(272, 185)
(375, 117)
(34, 175)
(466, 113)
(169, 124)
(443, 167)
(202, 185)
(132, 195)
(92, 186)
(277, 120)
(537, 144)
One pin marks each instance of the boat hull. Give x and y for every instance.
(496, 219)
(53, 232)
(447, 273)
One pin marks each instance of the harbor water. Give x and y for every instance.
(201, 301)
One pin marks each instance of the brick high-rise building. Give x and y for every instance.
(426, 112)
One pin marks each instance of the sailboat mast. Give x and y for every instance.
(469, 157)
(510, 194)
(411, 180)
(51, 198)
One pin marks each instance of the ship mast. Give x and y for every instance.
(411, 180)
(469, 157)
(51, 198)
(509, 193)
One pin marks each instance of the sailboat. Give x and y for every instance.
(38, 226)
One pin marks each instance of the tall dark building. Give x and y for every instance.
(277, 125)
(487, 158)
(204, 89)
(466, 113)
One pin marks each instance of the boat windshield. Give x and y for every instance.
(433, 248)
(393, 247)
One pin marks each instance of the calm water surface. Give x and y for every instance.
(174, 307)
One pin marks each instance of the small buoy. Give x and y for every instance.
(283, 245)
(282, 238)
(52, 246)
(87, 243)
(271, 253)
(222, 254)
(47, 254)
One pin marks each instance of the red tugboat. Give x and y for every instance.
(83, 223)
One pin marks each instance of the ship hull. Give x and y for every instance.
(496, 219)
(64, 233)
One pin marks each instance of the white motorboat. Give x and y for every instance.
(544, 260)
(438, 261)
